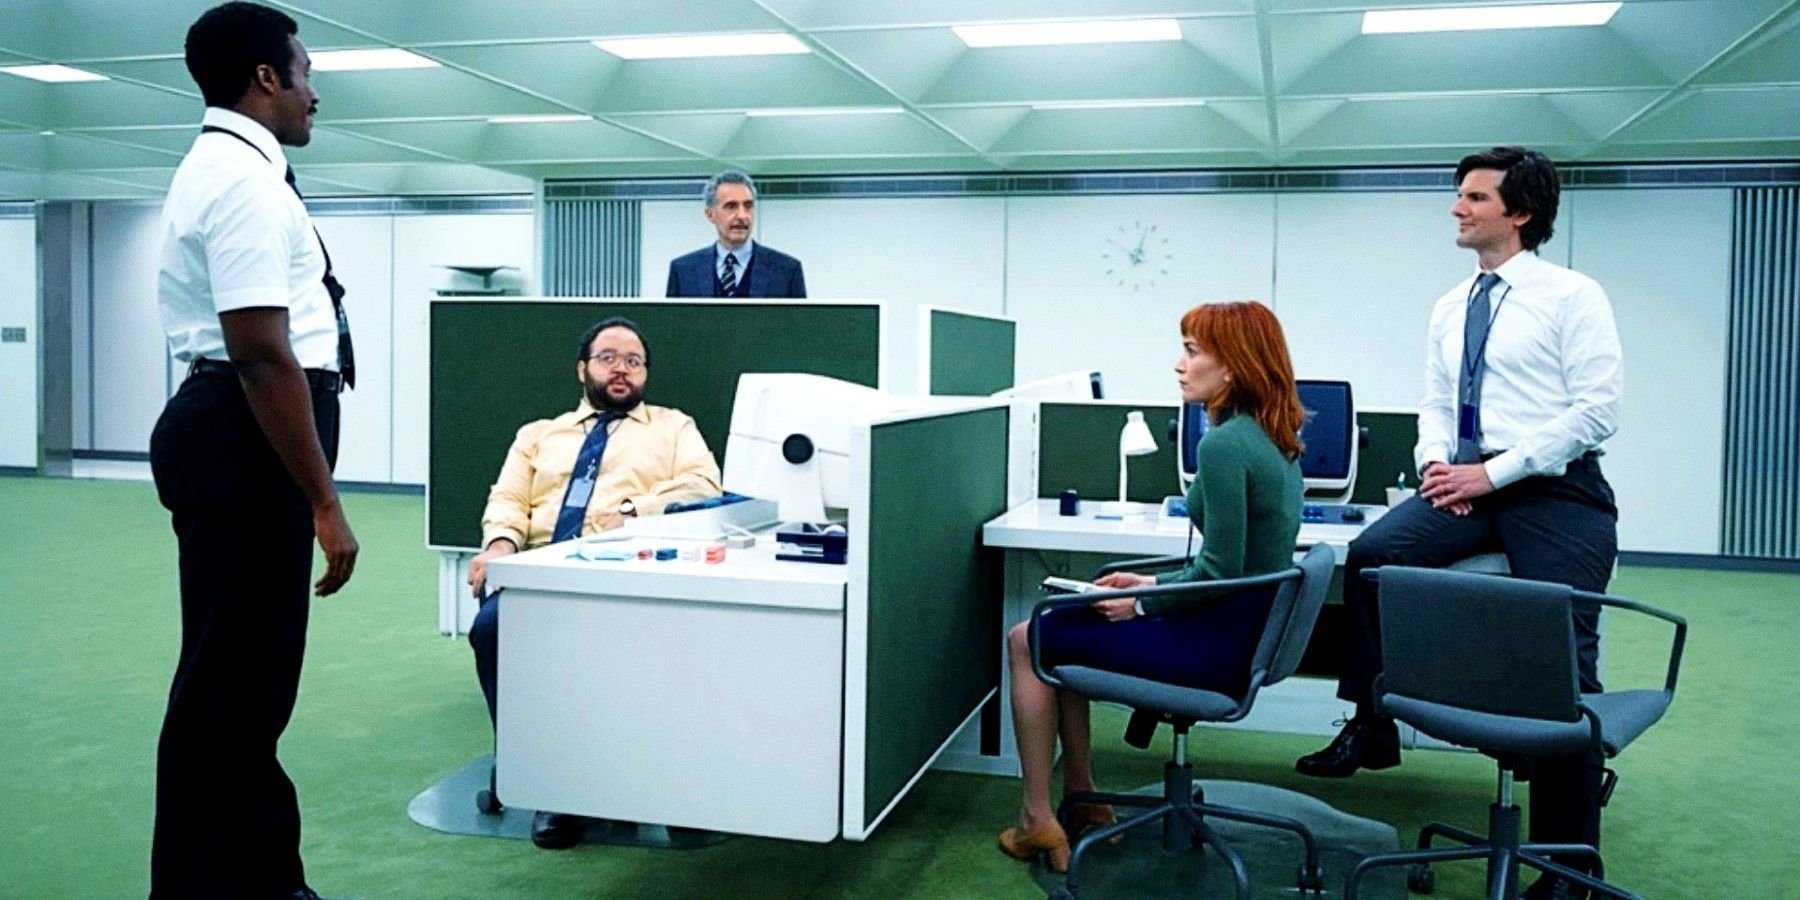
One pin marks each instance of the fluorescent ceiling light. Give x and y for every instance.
(1483, 18)
(777, 112)
(53, 73)
(698, 45)
(1102, 31)
(1147, 103)
(537, 119)
(364, 60)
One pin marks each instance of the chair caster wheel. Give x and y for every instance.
(488, 802)
(1310, 880)
(1420, 879)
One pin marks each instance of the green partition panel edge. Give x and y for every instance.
(971, 356)
(1389, 452)
(496, 365)
(1078, 447)
(934, 592)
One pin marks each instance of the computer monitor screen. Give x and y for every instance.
(1192, 423)
(1330, 435)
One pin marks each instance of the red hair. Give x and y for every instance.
(1246, 338)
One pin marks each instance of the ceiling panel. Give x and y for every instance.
(1665, 79)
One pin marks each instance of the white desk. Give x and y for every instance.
(1032, 529)
(678, 693)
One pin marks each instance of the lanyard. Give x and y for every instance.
(1473, 361)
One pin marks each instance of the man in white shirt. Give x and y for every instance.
(1510, 436)
(242, 457)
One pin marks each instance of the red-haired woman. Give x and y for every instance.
(1245, 501)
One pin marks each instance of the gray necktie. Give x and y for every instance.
(1474, 364)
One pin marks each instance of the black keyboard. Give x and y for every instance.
(1332, 514)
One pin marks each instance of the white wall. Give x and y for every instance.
(1664, 257)
(387, 264)
(420, 243)
(19, 392)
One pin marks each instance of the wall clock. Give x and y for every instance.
(1137, 256)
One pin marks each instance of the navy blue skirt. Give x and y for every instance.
(1208, 646)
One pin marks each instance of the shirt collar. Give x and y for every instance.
(1517, 269)
(250, 130)
(639, 413)
(743, 254)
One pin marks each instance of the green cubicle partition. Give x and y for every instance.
(967, 355)
(498, 364)
(1078, 447)
(1388, 452)
(933, 592)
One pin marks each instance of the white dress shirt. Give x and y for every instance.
(236, 236)
(742, 254)
(1554, 372)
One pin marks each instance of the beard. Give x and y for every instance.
(599, 398)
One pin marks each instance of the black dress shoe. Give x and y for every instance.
(557, 831)
(1365, 743)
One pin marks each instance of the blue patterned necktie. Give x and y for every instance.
(1476, 321)
(581, 482)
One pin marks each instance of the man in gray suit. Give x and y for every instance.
(734, 265)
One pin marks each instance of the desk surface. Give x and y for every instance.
(749, 577)
(1143, 531)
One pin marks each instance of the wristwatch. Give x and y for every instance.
(628, 509)
(1139, 606)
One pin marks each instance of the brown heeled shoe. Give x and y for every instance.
(1047, 838)
(1083, 816)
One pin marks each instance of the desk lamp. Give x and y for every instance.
(1134, 440)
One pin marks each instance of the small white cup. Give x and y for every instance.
(1397, 496)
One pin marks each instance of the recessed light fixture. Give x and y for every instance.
(1484, 18)
(1145, 103)
(53, 73)
(782, 112)
(700, 45)
(538, 119)
(1093, 31)
(46, 133)
(368, 60)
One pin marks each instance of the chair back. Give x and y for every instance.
(1292, 615)
(1504, 646)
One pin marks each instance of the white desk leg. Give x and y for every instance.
(453, 593)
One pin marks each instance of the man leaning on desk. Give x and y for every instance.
(586, 471)
(734, 265)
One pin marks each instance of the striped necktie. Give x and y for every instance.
(728, 278)
(581, 481)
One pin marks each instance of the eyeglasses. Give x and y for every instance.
(609, 359)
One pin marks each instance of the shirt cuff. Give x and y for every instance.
(494, 534)
(1505, 469)
(1431, 455)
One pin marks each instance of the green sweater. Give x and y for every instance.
(1246, 502)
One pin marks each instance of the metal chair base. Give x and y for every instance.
(1502, 850)
(1183, 813)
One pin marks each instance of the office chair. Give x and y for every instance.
(1489, 663)
(1299, 592)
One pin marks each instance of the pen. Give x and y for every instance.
(1400, 482)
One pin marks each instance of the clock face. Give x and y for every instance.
(1137, 256)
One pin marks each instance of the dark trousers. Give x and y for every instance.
(227, 819)
(484, 639)
(1562, 530)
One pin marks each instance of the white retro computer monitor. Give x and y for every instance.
(1328, 462)
(790, 440)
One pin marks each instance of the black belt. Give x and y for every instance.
(1589, 456)
(320, 379)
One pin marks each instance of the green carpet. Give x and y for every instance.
(88, 630)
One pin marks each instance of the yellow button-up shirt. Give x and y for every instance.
(654, 456)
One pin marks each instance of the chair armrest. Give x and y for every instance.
(1143, 564)
(1214, 588)
(1676, 646)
